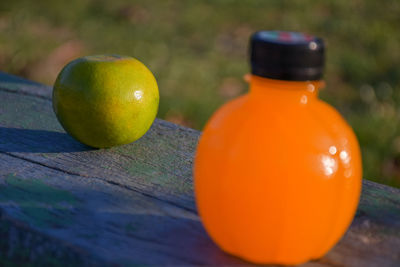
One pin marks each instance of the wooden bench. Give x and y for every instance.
(62, 203)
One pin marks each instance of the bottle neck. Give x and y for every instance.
(299, 91)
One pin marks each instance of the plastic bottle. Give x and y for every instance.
(277, 171)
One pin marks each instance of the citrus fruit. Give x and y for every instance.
(105, 100)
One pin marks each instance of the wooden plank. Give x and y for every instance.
(131, 204)
(110, 223)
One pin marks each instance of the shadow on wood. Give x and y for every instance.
(38, 141)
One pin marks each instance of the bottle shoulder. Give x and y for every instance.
(312, 123)
(261, 110)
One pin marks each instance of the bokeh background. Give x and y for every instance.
(198, 53)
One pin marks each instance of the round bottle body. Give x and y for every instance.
(277, 174)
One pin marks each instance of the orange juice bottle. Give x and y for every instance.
(277, 171)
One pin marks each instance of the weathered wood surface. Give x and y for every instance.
(62, 203)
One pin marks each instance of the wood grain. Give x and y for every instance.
(62, 202)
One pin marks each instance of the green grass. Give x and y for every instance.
(198, 53)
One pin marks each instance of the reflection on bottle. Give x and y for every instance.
(329, 165)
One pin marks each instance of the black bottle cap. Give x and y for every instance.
(289, 56)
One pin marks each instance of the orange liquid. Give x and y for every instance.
(277, 174)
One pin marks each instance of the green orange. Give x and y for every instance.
(105, 100)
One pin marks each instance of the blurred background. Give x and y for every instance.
(198, 52)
